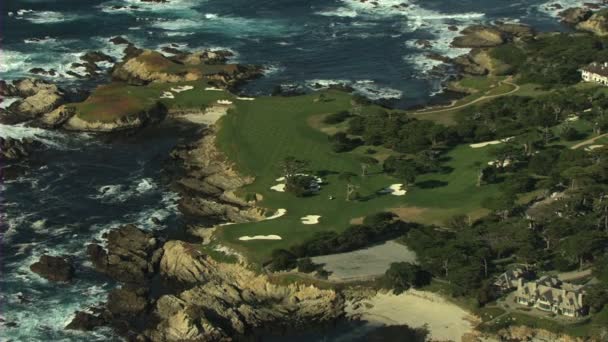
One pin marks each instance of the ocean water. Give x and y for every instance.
(79, 186)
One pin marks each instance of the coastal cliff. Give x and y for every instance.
(203, 300)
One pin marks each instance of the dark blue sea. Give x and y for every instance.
(80, 186)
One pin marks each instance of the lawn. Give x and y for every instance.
(259, 134)
(114, 101)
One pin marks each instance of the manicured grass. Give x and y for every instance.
(480, 83)
(109, 103)
(259, 134)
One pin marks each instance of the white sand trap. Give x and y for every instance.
(493, 142)
(279, 187)
(496, 162)
(279, 213)
(209, 117)
(260, 237)
(593, 147)
(181, 89)
(446, 321)
(167, 95)
(318, 180)
(245, 98)
(213, 89)
(311, 219)
(224, 102)
(395, 190)
(573, 118)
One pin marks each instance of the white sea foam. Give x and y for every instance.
(20, 132)
(554, 7)
(13, 61)
(46, 17)
(367, 88)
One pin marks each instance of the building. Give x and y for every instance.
(551, 295)
(509, 280)
(596, 72)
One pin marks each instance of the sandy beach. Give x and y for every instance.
(445, 321)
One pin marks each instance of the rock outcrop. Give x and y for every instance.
(574, 16)
(37, 97)
(15, 149)
(53, 268)
(597, 24)
(227, 300)
(72, 122)
(132, 255)
(146, 66)
(57, 117)
(523, 333)
(488, 36)
(480, 37)
(208, 182)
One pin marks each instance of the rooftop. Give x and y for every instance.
(597, 68)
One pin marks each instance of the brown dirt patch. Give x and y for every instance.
(409, 213)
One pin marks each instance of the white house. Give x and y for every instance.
(596, 72)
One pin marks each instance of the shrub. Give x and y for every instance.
(306, 265)
(403, 275)
(336, 118)
(300, 185)
(340, 142)
(282, 260)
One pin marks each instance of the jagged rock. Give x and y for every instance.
(85, 321)
(126, 301)
(145, 66)
(132, 255)
(96, 57)
(53, 268)
(57, 117)
(119, 41)
(129, 122)
(227, 300)
(14, 149)
(480, 36)
(515, 30)
(597, 23)
(575, 15)
(38, 97)
(208, 182)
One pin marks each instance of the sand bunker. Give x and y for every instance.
(446, 321)
(493, 142)
(260, 237)
(310, 219)
(395, 190)
(245, 98)
(279, 187)
(593, 147)
(209, 117)
(167, 95)
(497, 163)
(213, 89)
(279, 213)
(224, 102)
(573, 118)
(181, 89)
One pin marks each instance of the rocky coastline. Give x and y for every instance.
(170, 289)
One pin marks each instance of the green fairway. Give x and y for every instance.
(259, 134)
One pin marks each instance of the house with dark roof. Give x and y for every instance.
(552, 295)
(595, 72)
